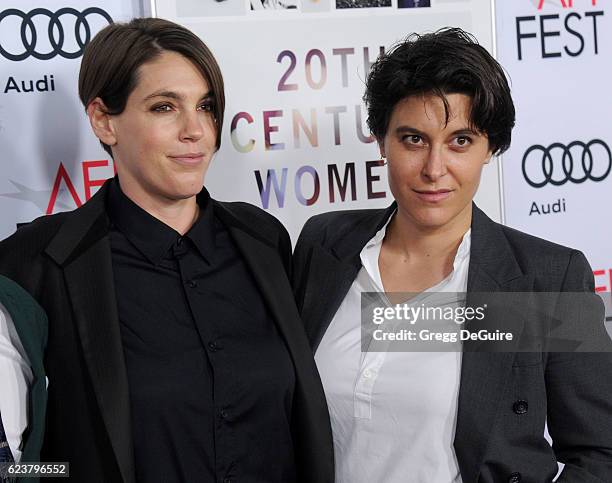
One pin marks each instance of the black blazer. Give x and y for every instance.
(64, 261)
(571, 391)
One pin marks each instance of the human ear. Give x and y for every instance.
(101, 122)
(381, 148)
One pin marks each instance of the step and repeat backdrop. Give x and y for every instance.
(295, 140)
(556, 176)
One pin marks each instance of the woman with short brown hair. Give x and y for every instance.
(175, 350)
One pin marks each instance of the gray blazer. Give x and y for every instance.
(496, 440)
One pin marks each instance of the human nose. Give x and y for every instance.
(192, 127)
(435, 164)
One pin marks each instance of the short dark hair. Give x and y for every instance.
(109, 69)
(448, 61)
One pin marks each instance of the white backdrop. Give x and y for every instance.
(292, 126)
(318, 154)
(558, 57)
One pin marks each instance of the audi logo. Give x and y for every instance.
(55, 32)
(558, 164)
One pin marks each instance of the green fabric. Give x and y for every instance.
(31, 325)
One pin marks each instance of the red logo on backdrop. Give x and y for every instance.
(564, 3)
(603, 276)
(88, 183)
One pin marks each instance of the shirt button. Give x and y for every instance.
(213, 347)
(192, 283)
(179, 241)
(520, 407)
(515, 478)
(368, 373)
(223, 413)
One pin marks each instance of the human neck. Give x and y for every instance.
(415, 242)
(180, 215)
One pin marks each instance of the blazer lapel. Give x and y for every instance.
(493, 268)
(82, 249)
(268, 271)
(331, 273)
(329, 281)
(310, 422)
(271, 278)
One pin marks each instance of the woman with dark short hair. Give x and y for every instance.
(175, 351)
(440, 106)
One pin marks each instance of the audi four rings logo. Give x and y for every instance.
(55, 32)
(557, 164)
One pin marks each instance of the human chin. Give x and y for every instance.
(431, 217)
(188, 184)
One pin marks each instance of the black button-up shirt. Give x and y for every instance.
(211, 381)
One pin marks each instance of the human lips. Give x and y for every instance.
(187, 158)
(433, 196)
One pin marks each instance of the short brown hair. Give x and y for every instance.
(109, 69)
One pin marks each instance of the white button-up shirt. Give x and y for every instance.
(15, 379)
(393, 414)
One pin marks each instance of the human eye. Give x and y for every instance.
(165, 107)
(206, 106)
(462, 141)
(412, 139)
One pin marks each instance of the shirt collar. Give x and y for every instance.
(152, 237)
(371, 251)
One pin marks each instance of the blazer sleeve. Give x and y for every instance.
(579, 397)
